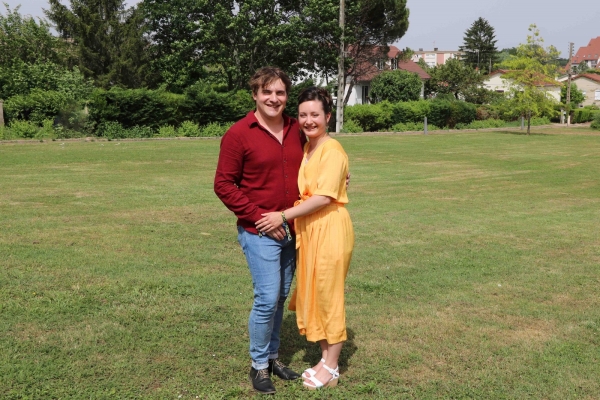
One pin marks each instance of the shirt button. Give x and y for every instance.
(286, 176)
(287, 192)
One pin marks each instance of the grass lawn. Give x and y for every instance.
(475, 272)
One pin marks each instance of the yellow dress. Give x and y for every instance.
(324, 242)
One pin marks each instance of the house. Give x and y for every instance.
(496, 82)
(436, 57)
(589, 55)
(589, 84)
(359, 83)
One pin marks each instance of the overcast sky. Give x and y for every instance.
(442, 23)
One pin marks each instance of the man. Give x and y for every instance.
(257, 172)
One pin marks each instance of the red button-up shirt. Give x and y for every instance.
(257, 174)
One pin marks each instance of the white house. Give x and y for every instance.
(498, 83)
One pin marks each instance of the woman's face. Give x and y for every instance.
(312, 119)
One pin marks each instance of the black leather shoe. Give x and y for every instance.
(279, 369)
(261, 381)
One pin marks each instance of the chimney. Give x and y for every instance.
(420, 49)
(435, 49)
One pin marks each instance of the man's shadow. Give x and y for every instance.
(292, 342)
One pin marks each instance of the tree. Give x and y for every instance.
(576, 95)
(530, 70)
(453, 77)
(371, 25)
(395, 86)
(106, 38)
(480, 45)
(228, 41)
(23, 40)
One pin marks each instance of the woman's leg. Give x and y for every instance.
(331, 354)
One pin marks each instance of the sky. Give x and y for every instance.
(443, 23)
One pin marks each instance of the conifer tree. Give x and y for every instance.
(107, 39)
(480, 45)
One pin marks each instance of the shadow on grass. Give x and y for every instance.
(292, 342)
(523, 133)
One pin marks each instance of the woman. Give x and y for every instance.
(324, 238)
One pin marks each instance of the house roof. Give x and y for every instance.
(496, 72)
(592, 77)
(589, 52)
(370, 71)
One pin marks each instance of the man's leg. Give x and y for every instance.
(288, 266)
(263, 255)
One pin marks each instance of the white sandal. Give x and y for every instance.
(310, 372)
(335, 374)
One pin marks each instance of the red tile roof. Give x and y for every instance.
(592, 77)
(589, 52)
(371, 71)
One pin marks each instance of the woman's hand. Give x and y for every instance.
(269, 222)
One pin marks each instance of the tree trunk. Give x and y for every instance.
(347, 95)
(528, 122)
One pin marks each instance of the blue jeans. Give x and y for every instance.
(272, 264)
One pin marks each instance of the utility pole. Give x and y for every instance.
(339, 112)
(569, 83)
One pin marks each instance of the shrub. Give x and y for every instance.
(488, 123)
(397, 85)
(167, 131)
(410, 111)
(413, 126)
(596, 122)
(189, 129)
(46, 131)
(351, 126)
(139, 132)
(22, 129)
(37, 105)
(112, 130)
(372, 117)
(214, 129)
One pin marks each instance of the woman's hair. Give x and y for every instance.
(267, 75)
(319, 94)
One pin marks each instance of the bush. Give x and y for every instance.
(167, 131)
(397, 85)
(488, 123)
(22, 129)
(413, 126)
(214, 129)
(596, 122)
(583, 115)
(37, 105)
(188, 129)
(371, 117)
(351, 126)
(410, 111)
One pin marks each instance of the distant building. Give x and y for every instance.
(359, 83)
(436, 57)
(589, 55)
(498, 83)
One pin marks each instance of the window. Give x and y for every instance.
(380, 64)
(597, 95)
(394, 62)
(365, 95)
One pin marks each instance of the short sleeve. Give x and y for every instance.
(332, 173)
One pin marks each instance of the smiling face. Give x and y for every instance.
(313, 120)
(270, 100)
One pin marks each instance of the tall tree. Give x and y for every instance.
(480, 45)
(371, 25)
(530, 71)
(229, 40)
(106, 38)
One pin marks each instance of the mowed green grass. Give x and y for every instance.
(475, 272)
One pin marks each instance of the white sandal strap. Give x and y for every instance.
(317, 383)
(335, 373)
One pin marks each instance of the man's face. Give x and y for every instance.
(271, 100)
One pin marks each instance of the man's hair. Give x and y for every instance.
(319, 94)
(267, 75)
